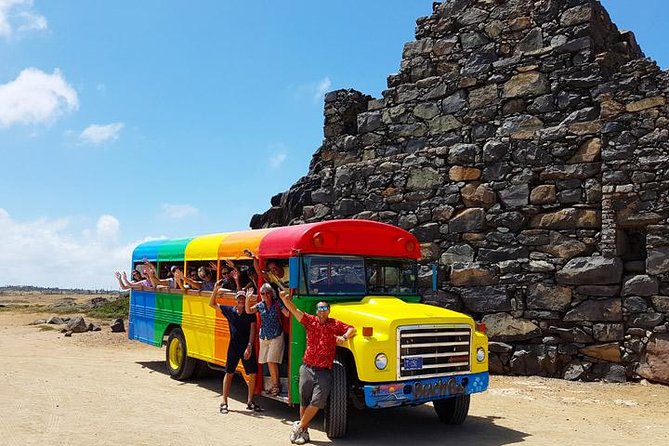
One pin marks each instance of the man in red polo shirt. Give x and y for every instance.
(323, 335)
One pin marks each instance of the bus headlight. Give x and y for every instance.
(480, 354)
(381, 361)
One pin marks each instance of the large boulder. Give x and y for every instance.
(469, 220)
(596, 311)
(564, 247)
(655, 363)
(504, 327)
(606, 352)
(544, 297)
(591, 271)
(472, 274)
(457, 254)
(485, 299)
(568, 218)
(117, 326)
(658, 260)
(608, 332)
(77, 325)
(640, 285)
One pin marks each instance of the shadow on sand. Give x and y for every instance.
(402, 425)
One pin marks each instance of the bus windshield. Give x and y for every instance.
(352, 275)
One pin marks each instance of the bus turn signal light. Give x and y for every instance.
(367, 331)
(480, 327)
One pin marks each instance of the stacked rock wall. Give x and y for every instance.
(524, 142)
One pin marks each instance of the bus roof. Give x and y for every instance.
(352, 237)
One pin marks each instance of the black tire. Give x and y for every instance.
(452, 410)
(336, 410)
(179, 365)
(201, 369)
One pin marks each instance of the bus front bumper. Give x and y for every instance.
(418, 391)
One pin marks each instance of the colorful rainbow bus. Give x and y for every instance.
(405, 352)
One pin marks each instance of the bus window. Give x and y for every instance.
(337, 275)
(390, 276)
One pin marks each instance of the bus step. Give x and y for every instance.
(267, 384)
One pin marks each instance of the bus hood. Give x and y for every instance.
(386, 311)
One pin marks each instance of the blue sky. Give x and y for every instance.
(122, 121)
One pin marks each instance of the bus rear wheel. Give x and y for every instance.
(179, 365)
(452, 410)
(336, 411)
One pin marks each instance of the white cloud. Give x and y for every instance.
(277, 160)
(46, 253)
(178, 211)
(108, 227)
(19, 14)
(36, 97)
(322, 88)
(97, 134)
(312, 90)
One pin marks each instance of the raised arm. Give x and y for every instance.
(214, 293)
(179, 279)
(256, 264)
(249, 306)
(194, 284)
(288, 302)
(120, 282)
(235, 275)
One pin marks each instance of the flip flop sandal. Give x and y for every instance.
(274, 391)
(224, 408)
(254, 407)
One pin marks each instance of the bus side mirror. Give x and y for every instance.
(435, 274)
(294, 272)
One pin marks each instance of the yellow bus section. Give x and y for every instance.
(384, 314)
(204, 328)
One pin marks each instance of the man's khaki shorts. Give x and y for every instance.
(271, 350)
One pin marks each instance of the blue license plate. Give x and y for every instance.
(413, 363)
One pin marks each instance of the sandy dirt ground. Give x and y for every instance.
(99, 388)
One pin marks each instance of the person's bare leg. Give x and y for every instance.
(251, 384)
(227, 384)
(274, 373)
(307, 415)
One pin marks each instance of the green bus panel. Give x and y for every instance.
(298, 344)
(168, 311)
(173, 250)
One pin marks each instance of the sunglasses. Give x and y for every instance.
(322, 307)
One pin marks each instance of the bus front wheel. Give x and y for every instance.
(452, 410)
(336, 409)
(179, 365)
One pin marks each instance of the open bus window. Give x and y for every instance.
(335, 275)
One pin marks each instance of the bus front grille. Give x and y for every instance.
(434, 350)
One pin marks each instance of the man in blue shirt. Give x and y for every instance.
(242, 335)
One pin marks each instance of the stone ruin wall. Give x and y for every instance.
(525, 144)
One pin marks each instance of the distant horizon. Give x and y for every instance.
(46, 288)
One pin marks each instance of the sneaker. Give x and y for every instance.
(295, 432)
(302, 438)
